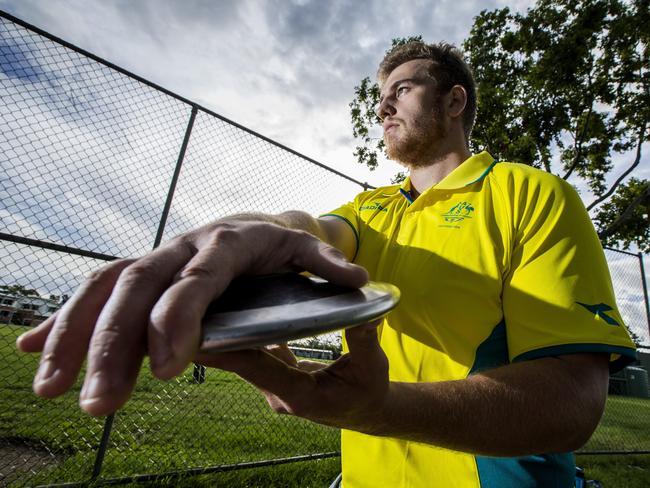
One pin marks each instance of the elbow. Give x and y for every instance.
(585, 423)
(589, 406)
(587, 378)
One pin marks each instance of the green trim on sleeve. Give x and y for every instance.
(356, 235)
(627, 355)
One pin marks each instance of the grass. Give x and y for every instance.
(179, 425)
(167, 426)
(625, 426)
(614, 471)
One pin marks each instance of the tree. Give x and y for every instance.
(566, 88)
(625, 216)
(19, 290)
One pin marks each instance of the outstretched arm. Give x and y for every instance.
(543, 405)
(155, 303)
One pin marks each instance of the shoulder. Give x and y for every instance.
(524, 183)
(524, 173)
(536, 201)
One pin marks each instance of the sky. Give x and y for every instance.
(285, 69)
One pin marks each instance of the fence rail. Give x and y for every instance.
(99, 163)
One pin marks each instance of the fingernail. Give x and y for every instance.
(96, 387)
(45, 371)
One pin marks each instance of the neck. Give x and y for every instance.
(424, 177)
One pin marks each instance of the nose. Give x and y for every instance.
(385, 108)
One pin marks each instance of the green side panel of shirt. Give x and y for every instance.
(546, 470)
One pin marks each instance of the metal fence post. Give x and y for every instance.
(198, 375)
(199, 371)
(108, 423)
(644, 285)
(172, 186)
(103, 445)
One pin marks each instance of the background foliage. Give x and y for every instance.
(565, 88)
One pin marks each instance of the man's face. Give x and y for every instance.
(410, 108)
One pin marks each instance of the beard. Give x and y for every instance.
(418, 144)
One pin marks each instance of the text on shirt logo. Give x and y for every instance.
(374, 206)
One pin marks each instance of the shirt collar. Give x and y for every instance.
(470, 171)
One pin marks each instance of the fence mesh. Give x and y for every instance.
(89, 155)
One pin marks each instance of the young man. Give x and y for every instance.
(492, 369)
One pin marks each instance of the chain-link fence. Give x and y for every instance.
(98, 163)
(626, 423)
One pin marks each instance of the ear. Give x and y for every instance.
(456, 101)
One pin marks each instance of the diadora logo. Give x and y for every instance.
(374, 206)
(459, 212)
(599, 310)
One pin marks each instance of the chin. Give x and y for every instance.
(409, 160)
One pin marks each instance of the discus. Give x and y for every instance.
(258, 311)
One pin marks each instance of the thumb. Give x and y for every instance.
(363, 339)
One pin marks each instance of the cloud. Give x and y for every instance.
(285, 69)
(275, 66)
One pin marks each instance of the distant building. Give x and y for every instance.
(308, 352)
(22, 310)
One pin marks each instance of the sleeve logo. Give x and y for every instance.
(374, 206)
(599, 310)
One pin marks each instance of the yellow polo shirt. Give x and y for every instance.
(497, 263)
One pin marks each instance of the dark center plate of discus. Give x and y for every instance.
(262, 310)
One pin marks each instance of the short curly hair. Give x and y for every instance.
(448, 69)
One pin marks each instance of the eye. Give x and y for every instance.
(401, 90)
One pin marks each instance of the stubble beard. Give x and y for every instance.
(418, 146)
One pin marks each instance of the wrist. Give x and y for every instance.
(376, 417)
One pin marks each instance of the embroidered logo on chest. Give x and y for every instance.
(458, 213)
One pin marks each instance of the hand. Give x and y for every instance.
(348, 393)
(156, 303)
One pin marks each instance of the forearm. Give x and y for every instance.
(510, 411)
(293, 219)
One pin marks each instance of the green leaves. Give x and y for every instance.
(624, 218)
(564, 87)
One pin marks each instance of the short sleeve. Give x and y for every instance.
(349, 214)
(558, 296)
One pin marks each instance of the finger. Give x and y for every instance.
(175, 322)
(283, 353)
(65, 336)
(311, 366)
(34, 340)
(118, 341)
(363, 339)
(328, 262)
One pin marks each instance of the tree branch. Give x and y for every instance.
(580, 138)
(579, 142)
(626, 214)
(637, 160)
